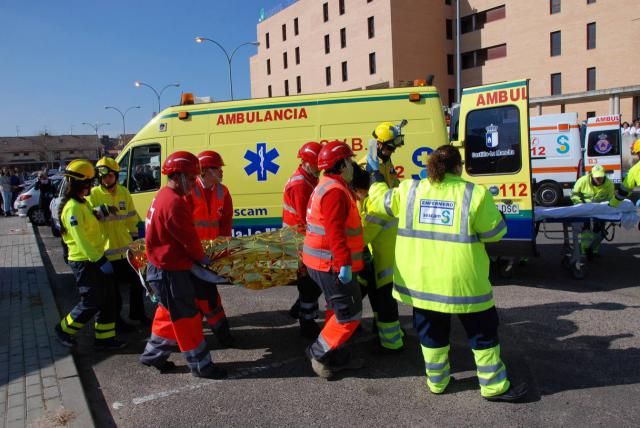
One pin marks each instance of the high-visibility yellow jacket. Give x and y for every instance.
(379, 232)
(440, 259)
(631, 181)
(83, 233)
(118, 228)
(585, 191)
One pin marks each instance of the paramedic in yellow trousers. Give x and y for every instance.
(442, 268)
(592, 187)
(380, 237)
(82, 233)
(120, 227)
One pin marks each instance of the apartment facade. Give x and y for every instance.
(34, 152)
(578, 54)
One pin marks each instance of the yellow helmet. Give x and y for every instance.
(385, 132)
(635, 148)
(598, 171)
(80, 169)
(106, 165)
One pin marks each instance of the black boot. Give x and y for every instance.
(294, 311)
(211, 372)
(309, 329)
(511, 395)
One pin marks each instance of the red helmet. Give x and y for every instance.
(181, 162)
(333, 152)
(309, 152)
(210, 159)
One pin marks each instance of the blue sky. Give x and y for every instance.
(62, 62)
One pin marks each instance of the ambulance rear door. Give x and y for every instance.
(603, 146)
(493, 136)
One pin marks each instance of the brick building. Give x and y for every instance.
(578, 54)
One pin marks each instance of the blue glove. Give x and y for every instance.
(205, 261)
(345, 274)
(107, 268)
(373, 164)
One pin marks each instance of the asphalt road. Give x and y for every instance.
(574, 342)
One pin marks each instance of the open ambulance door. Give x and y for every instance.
(493, 137)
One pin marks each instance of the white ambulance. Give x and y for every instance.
(559, 155)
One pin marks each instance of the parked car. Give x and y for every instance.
(27, 204)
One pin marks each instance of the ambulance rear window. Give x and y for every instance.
(603, 143)
(492, 141)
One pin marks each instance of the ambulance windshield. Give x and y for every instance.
(492, 141)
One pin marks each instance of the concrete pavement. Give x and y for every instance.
(39, 382)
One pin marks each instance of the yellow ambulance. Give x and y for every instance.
(259, 140)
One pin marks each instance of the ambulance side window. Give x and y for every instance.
(603, 143)
(492, 141)
(145, 169)
(124, 169)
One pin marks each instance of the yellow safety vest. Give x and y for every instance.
(119, 227)
(379, 233)
(631, 181)
(83, 234)
(585, 191)
(440, 259)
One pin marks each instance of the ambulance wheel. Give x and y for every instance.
(549, 194)
(578, 270)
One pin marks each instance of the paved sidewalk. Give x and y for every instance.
(39, 383)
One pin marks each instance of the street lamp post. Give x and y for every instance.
(138, 83)
(123, 115)
(229, 57)
(95, 127)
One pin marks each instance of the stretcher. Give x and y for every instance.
(573, 220)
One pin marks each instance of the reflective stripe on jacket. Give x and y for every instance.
(316, 251)
(296, 198)
(631, 181)
(207, 212)
(440, 261)
(379, 233)
(117, 228)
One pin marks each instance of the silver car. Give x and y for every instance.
(27, 204)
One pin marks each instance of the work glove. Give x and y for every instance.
(105, 266)
(205, 261)
(373, 163)
(345, 275)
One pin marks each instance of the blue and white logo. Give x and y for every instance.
(494, 190)
(261, 161)
(492, 136)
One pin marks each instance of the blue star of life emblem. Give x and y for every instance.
(261, 161)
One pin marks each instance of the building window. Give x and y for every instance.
(477, 20)
(344, 71)
(327, 75)
(269, 91)
(371, 26)
(478, 57)
(556, 84)
(327, 44)
(591, 1)
(555, 43)
(297, 56)
(369, 1)
(284, 32)
(325, 11)
(591, 79)
(450, 64)
(285, 63)
(449, 29)
(447, 2)
(591, 35)
(343, 38)
(554, 6)
(266, 39)
(295, 27)
(591, 114)
(372, 63)
(451, 93)
(286, 88)
(298, 84)
(268, 67)
(341, 6)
